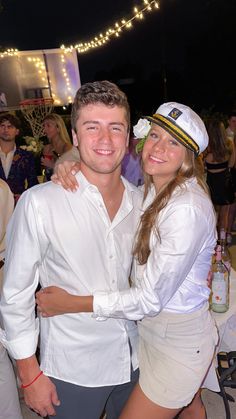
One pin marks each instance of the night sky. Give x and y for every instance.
(190, 44)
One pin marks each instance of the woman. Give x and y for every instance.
(169, 293)
(59, 144)
(219, 159)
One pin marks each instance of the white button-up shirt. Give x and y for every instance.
(67, 239)
(175, 276)
(6, 160)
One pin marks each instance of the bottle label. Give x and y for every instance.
(219, 288)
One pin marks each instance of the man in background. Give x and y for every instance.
(131, 164)
(231, 129)
(17, 166)
(9, 400)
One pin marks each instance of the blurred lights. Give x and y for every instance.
(115, 31)
(101, 39)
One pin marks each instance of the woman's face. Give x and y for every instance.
(50, 128)
(162, 156)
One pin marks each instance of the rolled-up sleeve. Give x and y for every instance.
(21, 275)
(183, 231)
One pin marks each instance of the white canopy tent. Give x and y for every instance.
(38, 74)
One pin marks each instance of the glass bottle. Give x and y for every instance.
(226, 257)
(219, 285)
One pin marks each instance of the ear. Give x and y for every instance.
(17, 131)
(75, 139)
(127, 140)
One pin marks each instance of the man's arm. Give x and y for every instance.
(6, 209)
(18, 305)
(40, 393)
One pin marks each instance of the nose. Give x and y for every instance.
(160, 145)
(105, 134)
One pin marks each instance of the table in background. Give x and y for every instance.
(226, 322)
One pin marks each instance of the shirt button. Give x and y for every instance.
(111, 256)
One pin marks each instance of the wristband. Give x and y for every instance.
(29, 384)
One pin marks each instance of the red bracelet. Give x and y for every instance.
(27, 385)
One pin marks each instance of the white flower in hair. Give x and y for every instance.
(142, 128)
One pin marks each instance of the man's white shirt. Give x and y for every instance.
(67, 239)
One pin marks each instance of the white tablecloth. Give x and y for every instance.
(226, 323)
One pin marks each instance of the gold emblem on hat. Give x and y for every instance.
(175, 113)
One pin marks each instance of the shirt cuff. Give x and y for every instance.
(101, 305)
(22, 347)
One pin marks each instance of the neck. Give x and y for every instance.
(109, 185)
(104, 181)
(160, 182)
(7, 146)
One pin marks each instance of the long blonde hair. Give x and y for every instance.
(191, 167)
(60, 124)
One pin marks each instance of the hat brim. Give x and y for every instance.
(178, 133)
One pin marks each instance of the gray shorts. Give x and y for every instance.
(79, 402)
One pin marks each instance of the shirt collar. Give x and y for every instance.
(12, 151)
(84, 183)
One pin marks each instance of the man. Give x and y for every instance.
(231, 129)
(131, 165)
(81, 242)
(17, 166)
(9, 400)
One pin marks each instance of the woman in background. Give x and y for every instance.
(60, 147)
(219, 159)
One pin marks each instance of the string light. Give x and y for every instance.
(11, 52)
(106, 35)
(116, 30)
(41, 69)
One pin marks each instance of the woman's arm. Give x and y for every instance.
(64, 175)
(53, 301)
(184, 231)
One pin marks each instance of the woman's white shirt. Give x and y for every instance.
(175, 276)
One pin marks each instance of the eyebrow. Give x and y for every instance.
(6, 123)
(110, 123)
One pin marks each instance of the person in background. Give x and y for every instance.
(60, 147)
(231, 128)
(172, 257)
(231, 135)
(85, 242)
(219, 159)
(17, 166)
(131, 165)
(9, 400)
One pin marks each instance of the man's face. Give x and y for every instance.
(8, 132)
(101, 137)
(232, 123)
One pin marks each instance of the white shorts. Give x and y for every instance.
(175, 353)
